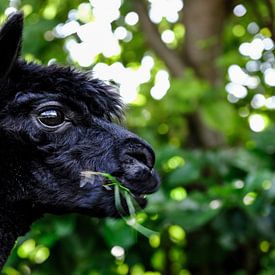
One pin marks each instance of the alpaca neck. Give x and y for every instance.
(12, 225)
(16, 215)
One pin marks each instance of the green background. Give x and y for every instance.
(215, 211)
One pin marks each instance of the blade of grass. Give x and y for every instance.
(143, 230)
(127, 195)
(130, 204)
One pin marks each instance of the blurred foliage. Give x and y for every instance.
(215, 212)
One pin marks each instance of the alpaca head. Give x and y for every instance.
(55, 124)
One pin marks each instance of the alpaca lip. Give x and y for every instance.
(139, 196)
(92, 179)
(141, 200)
(138, 191)
(143, 196)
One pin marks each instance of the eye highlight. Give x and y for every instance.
(51, 118)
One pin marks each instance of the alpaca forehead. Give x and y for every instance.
(63, 80)
(49, 77)
(66, 82)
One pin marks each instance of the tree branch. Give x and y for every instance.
(151, 33)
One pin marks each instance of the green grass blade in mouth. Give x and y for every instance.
(130, 204)
(142, 229)
(121, 191)
(118, 203)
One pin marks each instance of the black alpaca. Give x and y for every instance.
(55, 123)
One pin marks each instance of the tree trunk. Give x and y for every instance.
(203, 21)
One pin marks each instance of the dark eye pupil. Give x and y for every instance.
(51, 117)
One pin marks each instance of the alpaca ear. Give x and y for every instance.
(10, 42)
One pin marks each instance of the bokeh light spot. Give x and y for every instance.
(123, 269)
(238, 184)
(168, 36)
(176, 233)
(254, 49)
(118, 252)
(249, 198)
(266, 184)
(238, 30)
(27, 9)
(215, 204)
(163, 129)
(41, 255)
(257, 122)
(269, 77)
(253, 28)
(165, 9)
(268, 44)
(185, 272)
(154, 240)
(131, 18)
(175, 161)
(270, 102)
(258, 101)
(237, 90)
(120, 33)
(162, 84)
(264, 246)
(266, 32)
(50, 12)
(178, 194)
(26, 248)
(244, 112)
(239, 10)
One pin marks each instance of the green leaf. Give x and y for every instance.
(220, 115)
(184, 175)
(192, 213)
(250, 161)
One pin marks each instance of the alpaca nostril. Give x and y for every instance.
(138, 152)
(143, 158)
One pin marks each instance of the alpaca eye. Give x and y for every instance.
(51, 118)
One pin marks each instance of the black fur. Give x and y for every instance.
(41, 166)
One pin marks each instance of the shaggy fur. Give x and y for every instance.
(55, 123)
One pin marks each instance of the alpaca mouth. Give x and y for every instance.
(141, 200)
(136, 189)
(140, 189)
